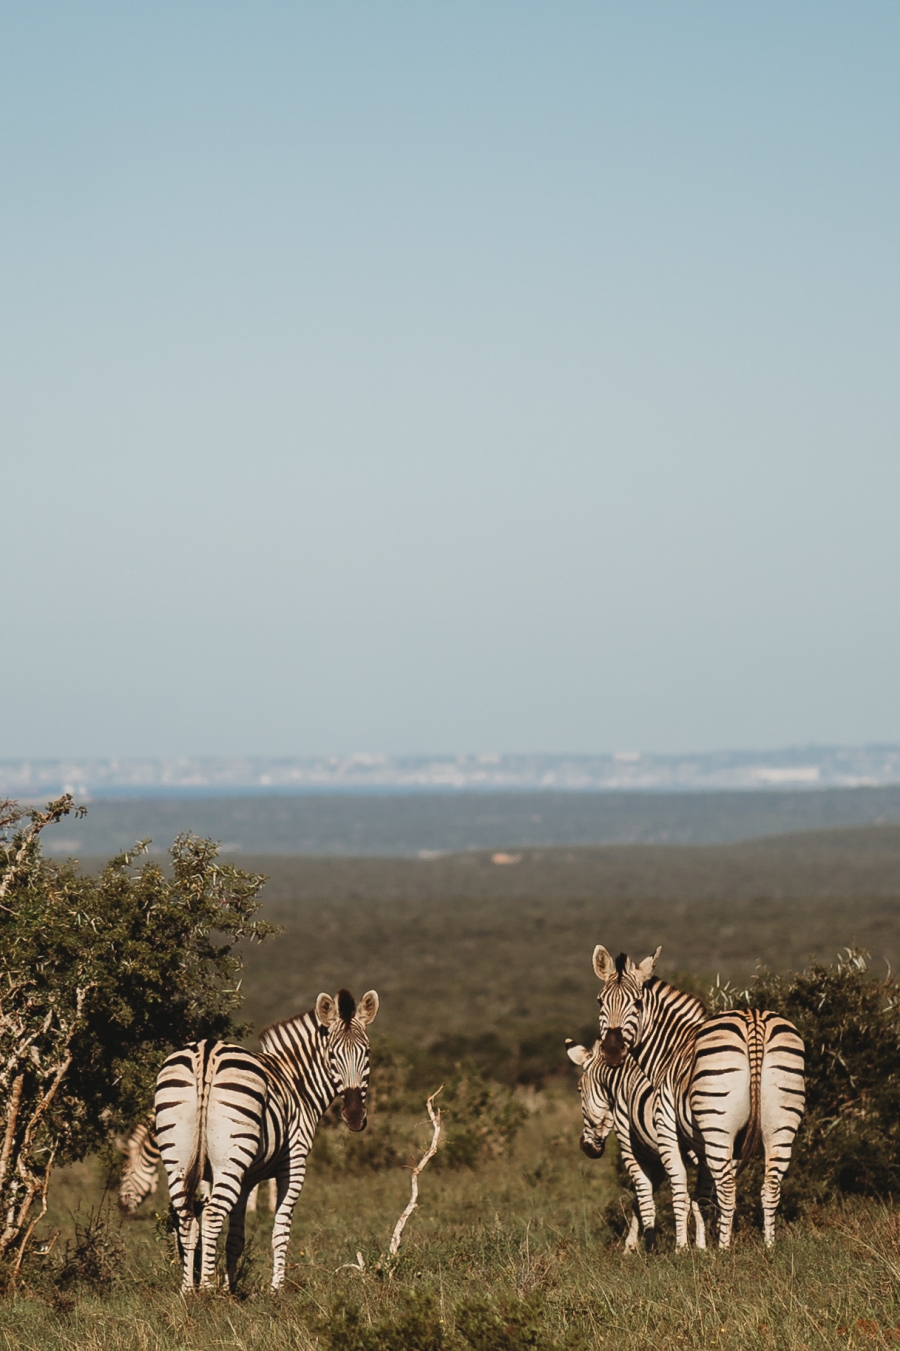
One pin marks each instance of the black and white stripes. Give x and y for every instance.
(732, 1080)
(233, 1117)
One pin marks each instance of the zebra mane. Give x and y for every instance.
(664, 989)
(346, 1006)
(309, 1017)
(621, 964)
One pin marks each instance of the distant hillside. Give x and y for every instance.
(464, 946)
(408, 824)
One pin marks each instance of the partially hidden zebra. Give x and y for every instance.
(140, 1170)
(732, 1080)
(623, 1099)
(233, 1117)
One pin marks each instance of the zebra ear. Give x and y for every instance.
(604, 966)
(326, 1010)
(367, 1007)
(646, 968)
(579, 1055)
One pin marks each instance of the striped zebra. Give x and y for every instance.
(735, 1079)
(624, 1100)
(233, 1117)
(140, 1172)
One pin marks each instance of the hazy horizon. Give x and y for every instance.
(502, 375)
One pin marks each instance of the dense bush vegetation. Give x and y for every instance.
(850, 1020)
(99, 978)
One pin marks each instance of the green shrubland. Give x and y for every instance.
(516, 1242)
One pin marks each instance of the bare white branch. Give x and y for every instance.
(423, 1162)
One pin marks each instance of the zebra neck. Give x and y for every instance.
(670, 1021)
(299, 1046)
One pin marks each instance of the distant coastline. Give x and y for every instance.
(790, 769)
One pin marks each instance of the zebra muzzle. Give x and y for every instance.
(591, 1147)
(613, 1047)
(354, 1109)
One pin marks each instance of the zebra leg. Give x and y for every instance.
(782, 1100)
(290, 1184)
(644, 1209)
(252, 1201)
(703, 1203)
(234, 1244)
(673, 1162)
(726, 1196)
(225, 1195)
(188, 1234)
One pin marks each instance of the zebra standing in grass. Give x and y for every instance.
(735, 1077)
(234, 1118)
(623, 1099)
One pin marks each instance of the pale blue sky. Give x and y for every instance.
(466, 376)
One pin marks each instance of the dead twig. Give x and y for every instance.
(394, 1247)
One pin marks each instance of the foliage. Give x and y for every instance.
(93, 1257)
(482, 1119)
(849, 1018)
(99, 978)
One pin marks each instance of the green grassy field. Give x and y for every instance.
(527, 1233)
(489, 963)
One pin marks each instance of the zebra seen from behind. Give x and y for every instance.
(140, 1171)
(233, 1117)
(624, 1100)
(733, 1079)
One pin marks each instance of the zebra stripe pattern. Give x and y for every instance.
(734, 1077)
(140, 1172)
(624, 1100)
(235, 1118)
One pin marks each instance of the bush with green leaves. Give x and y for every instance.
(849, 1018)
(99, 978)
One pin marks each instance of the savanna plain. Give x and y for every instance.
(483, 970)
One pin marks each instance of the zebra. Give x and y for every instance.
(624, 1100)
(140, 1171)
(734, 1077)
(234, 1118)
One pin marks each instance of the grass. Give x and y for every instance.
(528, 1233)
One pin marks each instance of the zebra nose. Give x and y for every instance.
(591, 1147)
(354, 1109)
(613, 1046)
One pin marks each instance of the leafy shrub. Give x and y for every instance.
(849, 1141)
(94, 1258)
(481, 1121)
(99, 978)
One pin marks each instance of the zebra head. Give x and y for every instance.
(344, 1024)
(621, 1001)
(596, 1105)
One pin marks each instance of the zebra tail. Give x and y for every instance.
(752, 1141)
(194, 1172)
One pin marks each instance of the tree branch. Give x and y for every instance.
(423, 1162)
